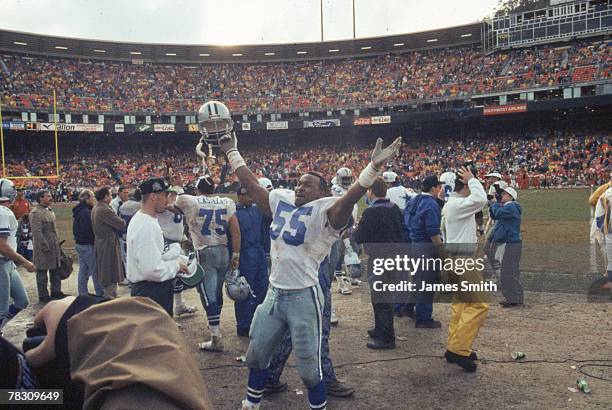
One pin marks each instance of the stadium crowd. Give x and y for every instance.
(534, 160)
(84, 85)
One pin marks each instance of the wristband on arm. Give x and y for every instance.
(367, 176)
(235, 159)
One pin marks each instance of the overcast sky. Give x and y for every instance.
(234, 21)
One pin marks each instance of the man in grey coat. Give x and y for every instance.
(107, 226)
(46, 253)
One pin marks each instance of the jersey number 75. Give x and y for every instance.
(220, 221)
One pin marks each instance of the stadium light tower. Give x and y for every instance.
(354, 25)
(321, 20)
(354, 35)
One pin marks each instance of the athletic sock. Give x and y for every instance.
(215, 330)
(256, 384)
(178, 299)
(317, 396)
(213, 313)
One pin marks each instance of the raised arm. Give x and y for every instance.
(339, 213)
(229, 145)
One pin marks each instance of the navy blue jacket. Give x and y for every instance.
(251, 221)
(507, 228)
(380, 223)
(81, 225)
(422, 218)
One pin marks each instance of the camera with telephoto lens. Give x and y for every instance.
(498, 192)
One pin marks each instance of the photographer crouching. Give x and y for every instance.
(507, 214)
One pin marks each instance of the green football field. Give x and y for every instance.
(549, 216)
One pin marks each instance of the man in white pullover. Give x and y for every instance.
(152, 267)
(468, 198)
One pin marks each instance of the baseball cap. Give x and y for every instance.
(266, 183)
(511, 191)
(153, 186)
(494, 174)
(430, 182)
(389, 176)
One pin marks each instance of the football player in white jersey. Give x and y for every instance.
(11, 286)
(396, 192)
(340, 185)
(209, 218)
(173, 229)
(305, 224)
(448, 183)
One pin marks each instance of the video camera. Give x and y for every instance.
(498, 192)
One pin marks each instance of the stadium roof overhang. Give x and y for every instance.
(175, 53)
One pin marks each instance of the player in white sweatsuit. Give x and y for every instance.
(467, 312)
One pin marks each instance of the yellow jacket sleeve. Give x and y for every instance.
(598, 193)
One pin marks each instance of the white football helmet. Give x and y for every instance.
(266, 183)
(7, 190)
(214, 121)
(344, 177)
(236, 286)
(448, 179)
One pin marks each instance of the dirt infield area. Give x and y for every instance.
(555, 336)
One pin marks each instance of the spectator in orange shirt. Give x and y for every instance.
(21, 206)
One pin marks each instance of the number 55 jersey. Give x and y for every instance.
(207, 218)
(301, 239)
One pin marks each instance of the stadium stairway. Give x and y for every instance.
(4, 67)
(564, 60)
(504, 70)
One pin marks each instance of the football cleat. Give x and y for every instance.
(344, 285)
(213, 345)
(184, 309)
(334, 318)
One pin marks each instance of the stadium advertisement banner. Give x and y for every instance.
(504, 109)
(163, 128)
(322, 123)
(381, 119)
(14, 125)
(49, 126)
(192, 127)
(246, 126)
(144, 128)
(277, 125)
(119, 128)
(362, 121)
